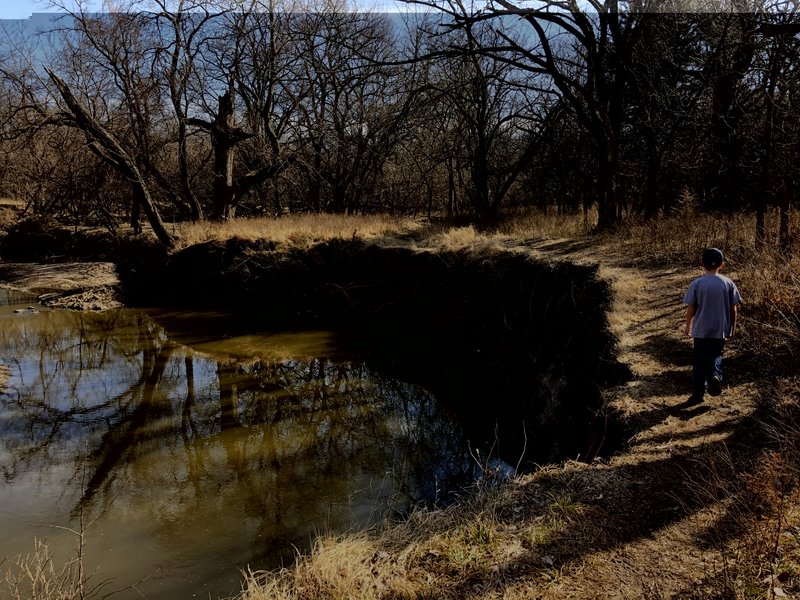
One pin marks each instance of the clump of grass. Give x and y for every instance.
(12, 202)
(757, 537)
(549, 224)
(460, 239)
(338, 567)
(772, 282)
(297, 230)
(36, 576)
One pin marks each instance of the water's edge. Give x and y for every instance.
(499, 336)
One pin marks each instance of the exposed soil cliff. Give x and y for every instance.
(496, 335)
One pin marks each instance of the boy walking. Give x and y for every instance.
(712, 305)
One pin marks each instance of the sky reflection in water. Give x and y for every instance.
(197, 452)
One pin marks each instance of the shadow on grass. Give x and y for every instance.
(626, 504)
(565, 247)
(668, 349)
(635, 501)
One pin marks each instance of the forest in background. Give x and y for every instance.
(181, 110)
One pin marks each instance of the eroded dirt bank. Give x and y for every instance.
(497, 335)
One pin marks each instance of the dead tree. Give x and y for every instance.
(109, 149)
(225, 136)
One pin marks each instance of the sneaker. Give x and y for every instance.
(714, 386)
(693, 400)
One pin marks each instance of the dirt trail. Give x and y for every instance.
(650, 512)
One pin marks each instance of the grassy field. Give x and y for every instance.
(700, 504)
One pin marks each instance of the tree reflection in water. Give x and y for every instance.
(191, 457)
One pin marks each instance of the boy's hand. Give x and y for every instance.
(690, 313)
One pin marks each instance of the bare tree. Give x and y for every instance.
(355, 106)
(185, 27)
(107, 147)
(580, 50)
(499, 111)
(235, 50)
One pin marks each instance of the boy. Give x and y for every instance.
(712, 305)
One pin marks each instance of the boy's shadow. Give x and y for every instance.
(688, 410)
(667, 349)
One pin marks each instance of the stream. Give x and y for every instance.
(183, 447)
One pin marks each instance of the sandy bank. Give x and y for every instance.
(77, 286)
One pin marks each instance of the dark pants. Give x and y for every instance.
(707, 362)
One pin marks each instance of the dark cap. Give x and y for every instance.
(712, 258)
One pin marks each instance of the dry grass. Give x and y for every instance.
(298, 230)
(12, 202)
(550, 225)
(478, 546)
(5, 374)
(10, 211)
(459, 239)
(36, 577)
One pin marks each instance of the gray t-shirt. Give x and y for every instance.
(713, 295)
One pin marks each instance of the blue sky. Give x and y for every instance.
(22, 9)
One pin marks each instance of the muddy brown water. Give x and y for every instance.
(187, 447)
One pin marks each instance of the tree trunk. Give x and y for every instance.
(651, 201)
(727, 113)
(107, 147)
(224, 136)
(787, 199)
(451, 189)
(183, 164)
(224, 196)
(607, 216)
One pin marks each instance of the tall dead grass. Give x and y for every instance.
(480, 544)
(36, 576)
(549, 224)
(298, 230)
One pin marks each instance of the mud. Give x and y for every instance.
(72, 285)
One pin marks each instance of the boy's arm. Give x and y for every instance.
(734, 314)
(690, 312)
